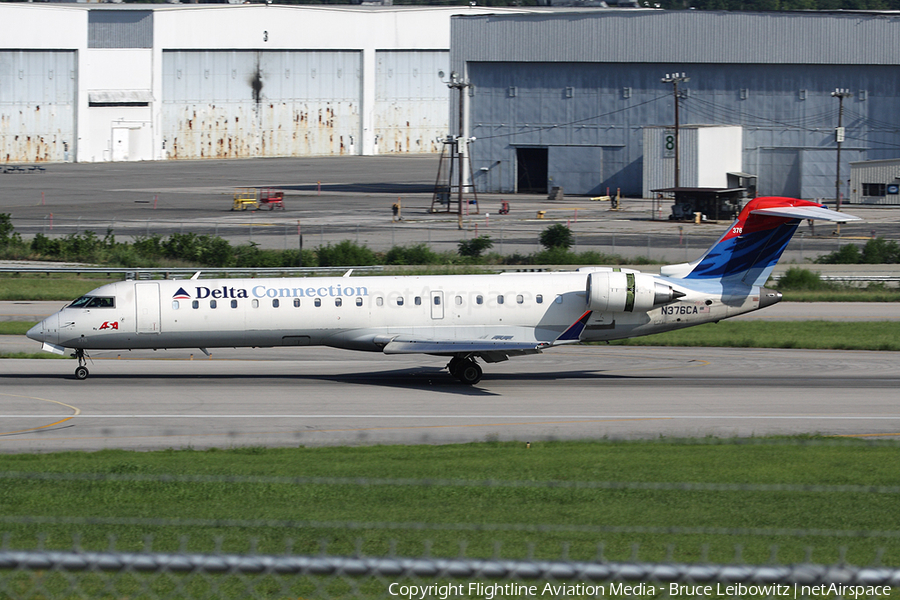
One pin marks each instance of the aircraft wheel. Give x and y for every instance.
(454, 364)
(81, 373)
(469, 372)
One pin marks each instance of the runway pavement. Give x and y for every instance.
(330, 199)
(316, 396)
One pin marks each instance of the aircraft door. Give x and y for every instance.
(146, 302)
(437, 305)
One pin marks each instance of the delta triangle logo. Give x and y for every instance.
(181, 295)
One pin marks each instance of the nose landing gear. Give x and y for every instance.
(81, 372)
(465, 369)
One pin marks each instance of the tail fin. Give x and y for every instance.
(748, 251)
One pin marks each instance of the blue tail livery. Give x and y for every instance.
(748, 251)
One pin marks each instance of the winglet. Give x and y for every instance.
(573, 333)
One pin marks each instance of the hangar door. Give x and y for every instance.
(410, 100)
(37, 105)
(531, 170)
(242, 103)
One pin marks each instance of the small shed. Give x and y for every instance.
(875, 182)
(712, 203)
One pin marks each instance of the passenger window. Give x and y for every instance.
(418, 301)
(275, 303)
(195, 304)
(520, 299)
(213, 304)
(175, 305)
(338, 301)
(296, 302)
(500, 299)
(479, 299)
(318, 302)
(539, 299)
(400, 301)
(437, 300)
(359, 301)
(255, 303)
(459, 300)
(558, 299)
(234, 304)
(379, 301)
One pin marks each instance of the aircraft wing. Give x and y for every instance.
(498, 349)
(492, 350)
(806, 212)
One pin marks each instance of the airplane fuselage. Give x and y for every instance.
(361, 313)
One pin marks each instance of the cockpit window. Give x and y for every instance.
(94, 302)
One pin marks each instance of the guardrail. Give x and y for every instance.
(446, 577)
(179, 273)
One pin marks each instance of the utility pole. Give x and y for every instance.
(675, 79)
(457, 83)
(840, 94)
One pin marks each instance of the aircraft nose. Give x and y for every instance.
(36, 333)
(45, 331)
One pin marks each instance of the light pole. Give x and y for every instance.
(675, 79)
(457, 83)
(840, 94)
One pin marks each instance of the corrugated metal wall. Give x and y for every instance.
(875, 172)
(411, 100)
(37, 105)
(785, 110)
(564, 81)
(239, 104)
(674, 37)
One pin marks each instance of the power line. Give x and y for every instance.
(557, 125)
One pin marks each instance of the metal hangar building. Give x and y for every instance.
(101, 82)
(565, 99)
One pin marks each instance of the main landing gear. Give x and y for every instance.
(465, 369)
(81, 372)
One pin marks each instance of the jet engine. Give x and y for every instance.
(627, 292)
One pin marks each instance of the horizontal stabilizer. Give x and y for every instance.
(805, 212)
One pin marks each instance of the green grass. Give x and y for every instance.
(448, 514)
(862, 335)
(51, 287)
(15, 327)
(848, 294)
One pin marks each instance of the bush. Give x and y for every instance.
(474, 247)
(557, 236)
(879, 251)
(345, 254)
(799, 279)
(420, 254)
(845, 255)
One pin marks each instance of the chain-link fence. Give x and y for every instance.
(78, 574)
(174, 536)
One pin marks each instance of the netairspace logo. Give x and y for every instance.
(491, 591)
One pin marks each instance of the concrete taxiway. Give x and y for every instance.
(283, 397)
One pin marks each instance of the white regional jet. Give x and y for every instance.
(463, 317)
